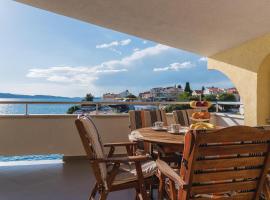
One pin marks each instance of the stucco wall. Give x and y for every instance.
(22, 135)
(248, 67)
(54, 134)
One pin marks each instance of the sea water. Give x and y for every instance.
(37, 108)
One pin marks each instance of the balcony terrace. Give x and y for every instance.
(69, 181)
(57, 134)
(234, 36)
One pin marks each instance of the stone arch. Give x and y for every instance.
(232, 80)
(241, 78)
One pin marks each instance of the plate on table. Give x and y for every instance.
(159, 129)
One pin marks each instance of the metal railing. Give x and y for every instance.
(97, 104)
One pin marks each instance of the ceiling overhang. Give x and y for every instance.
(205, 27)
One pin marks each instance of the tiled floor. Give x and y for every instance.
(67, 181)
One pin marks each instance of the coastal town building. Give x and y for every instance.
(197, 92)
(114, 96)
(145, 95)
(124, 94)
(161, 94)
(231, 90)
(213, 90)
(110, 96)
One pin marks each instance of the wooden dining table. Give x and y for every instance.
(170, 142)
(156, 136)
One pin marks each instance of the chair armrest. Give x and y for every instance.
(123, 159)
(165, 169)
(119, 144)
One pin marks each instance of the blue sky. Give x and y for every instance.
(46, 53)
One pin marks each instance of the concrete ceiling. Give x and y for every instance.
(205, 27)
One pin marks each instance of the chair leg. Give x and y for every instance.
(141, 183)
(93, 192)
(137, 194)
(161, 187)
(150, 188)
(103, 195)
(172, 190)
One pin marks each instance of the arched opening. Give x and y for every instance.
(246, 83)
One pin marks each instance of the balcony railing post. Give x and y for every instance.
(97, 109)
(217, 107)
(26, 109)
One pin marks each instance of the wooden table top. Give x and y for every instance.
(150, 135)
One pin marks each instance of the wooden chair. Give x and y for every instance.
(114, 173)
(266, 188)
(226, 164)
(182, 117)
(145, 118)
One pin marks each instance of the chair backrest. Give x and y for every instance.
(146, 118)
(151, 116)
(231, 162)
(180, 117)
(93, 146)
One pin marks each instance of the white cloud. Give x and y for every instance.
(108, 45)
(125, 42)
(116, 51)
(82, 75)
(137, 55)
(136, 49)
(114, 44)
(174, 67)
(88, 74)
(145, 42)
(203, 59)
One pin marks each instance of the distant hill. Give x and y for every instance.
(22, 96)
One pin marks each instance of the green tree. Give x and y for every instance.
(88, 97)
(72, 109)
(202, 95)
(227, 97)
(183, 96)
(131, 96)
(210, 97)
(194, 98)
(187, 88)
(203, 89)
(170, 108)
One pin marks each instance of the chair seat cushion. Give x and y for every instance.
(204, 196)
(216, 195)
(128, 172)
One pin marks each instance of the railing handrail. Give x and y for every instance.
(91, 102)
(114, 102)
(100, 103)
